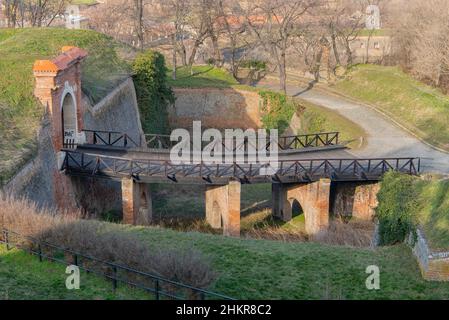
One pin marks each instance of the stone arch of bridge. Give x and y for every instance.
(292, 208)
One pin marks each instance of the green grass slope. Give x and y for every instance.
(203, 76)
(19, 111)
(247, 269)
(421, 201)
(434, 213)
(23, 277)
(421, 108)
(262, 269)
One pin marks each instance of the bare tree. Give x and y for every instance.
(43, 12)
(423, 38)
(114, 19)
(139, 22)
(274, 23)
(199, 23)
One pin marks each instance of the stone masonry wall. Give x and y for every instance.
(434, 265)
(354, 199)
(216, 108)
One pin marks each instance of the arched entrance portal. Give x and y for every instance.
(69, 125)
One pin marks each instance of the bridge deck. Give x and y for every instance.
(150, 170)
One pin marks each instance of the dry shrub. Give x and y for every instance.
(186, 225)
(354, 233)
(276, 233)
(105, 243)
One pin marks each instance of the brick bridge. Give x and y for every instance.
(317, 184)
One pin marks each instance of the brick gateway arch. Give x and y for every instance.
(58, 87)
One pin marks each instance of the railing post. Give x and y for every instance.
(114, 279)
(6, 238)
(156, 289)
(39, 252)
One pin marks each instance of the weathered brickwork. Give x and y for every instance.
(313, 198)
(54, 80)
(137, 203)
(216, 108)
(355, 199)
(223, 208)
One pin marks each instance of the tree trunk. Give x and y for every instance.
(282, 73)
(183, 52)
(217, 54)
(193, 54)
(318, 65)
(174, 57)
(334, 47)
(349, 54)
(139, 23)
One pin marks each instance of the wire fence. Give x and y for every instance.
(159, 288)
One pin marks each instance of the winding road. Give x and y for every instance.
(385, 138)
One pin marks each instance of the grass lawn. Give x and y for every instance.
(203, 76)
(262, 269)
(320, 119)
(23, 277)
(433, 215)
(421, 108)
(247, 269)
(20, 113)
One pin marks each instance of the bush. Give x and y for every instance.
(153, 93)
(254, 64)
(278, 109)
(103, 241)
(398, 201)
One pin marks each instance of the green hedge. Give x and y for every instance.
(278, 109)
(398, 204)
(153, 93)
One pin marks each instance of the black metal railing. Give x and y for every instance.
(160, 141)
(309, 140)
(159, 287)
(111, 139)
(296, 170)
(69, 144)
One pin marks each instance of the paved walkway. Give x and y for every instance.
(385, 139)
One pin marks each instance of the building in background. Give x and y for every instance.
(74, 19)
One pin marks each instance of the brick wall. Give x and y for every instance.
(216, 108)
